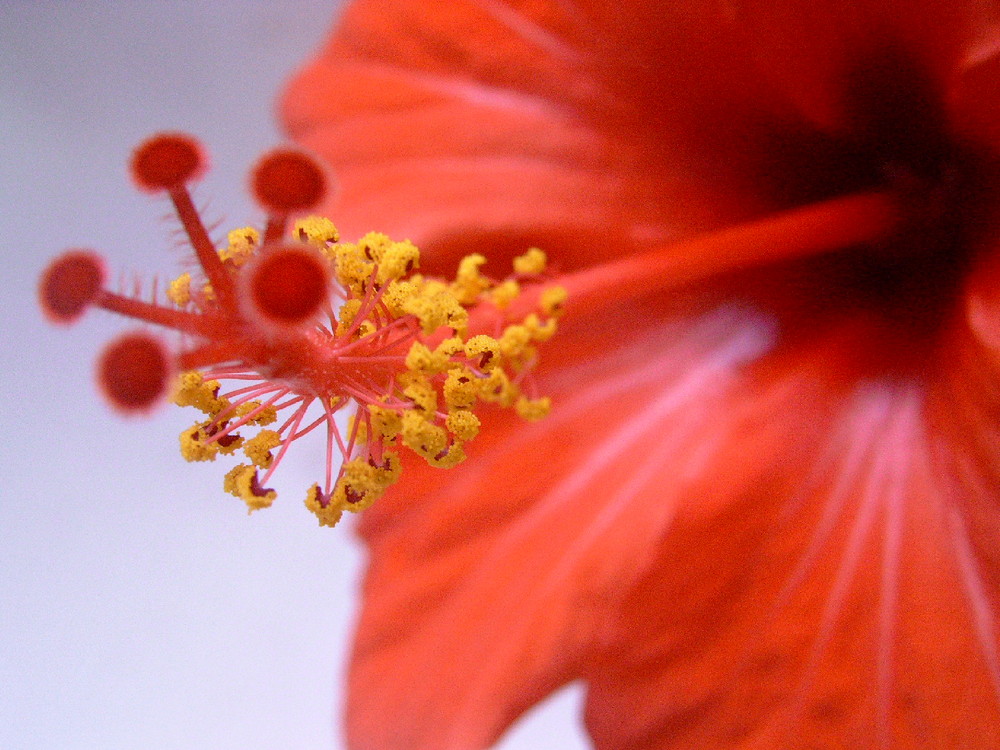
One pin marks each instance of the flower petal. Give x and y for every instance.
(468, 120)
(488, 586)
(504, 124)
(973, 113)
(847, 597)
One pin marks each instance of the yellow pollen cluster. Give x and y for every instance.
(416, 357)
(207, 439)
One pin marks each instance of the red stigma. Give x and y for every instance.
(167, 161)
(286, 285)
(70, 284)
(286, 181)
(134, 371)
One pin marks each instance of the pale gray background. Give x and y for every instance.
(139, 606)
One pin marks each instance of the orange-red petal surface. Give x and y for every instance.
(485, 594)
(848, 599)
(734, 545)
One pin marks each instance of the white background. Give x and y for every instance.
(139, 606)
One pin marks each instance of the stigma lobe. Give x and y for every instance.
(286, 285)
(134, 372)
(70, 284)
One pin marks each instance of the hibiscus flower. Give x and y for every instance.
(763, 511)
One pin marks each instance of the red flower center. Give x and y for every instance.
(906, 284)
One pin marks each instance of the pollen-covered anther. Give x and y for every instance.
(532, 263)
(463, 424)
(317, 231)
(287, 181)
(242, 482)
(461, 389)
(286, 285)
(307, 327)
(258, 449)
(553, 299)
(484, 350)
(135, 371)
(70, 284)
(319, 503)
(198, 442)
(533, 409)
(167, 161)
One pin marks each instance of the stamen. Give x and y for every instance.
(398, 350)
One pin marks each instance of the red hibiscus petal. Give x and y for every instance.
(500, 125)
(487, 583)
(817, 74)
(434, 124)
(849, 596)
(812, 527)
(972, 109)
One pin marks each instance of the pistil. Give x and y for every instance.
(811, 230)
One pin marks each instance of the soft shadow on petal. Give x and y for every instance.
(489, 587)
(495, 124)
(842, 599)
(732, 558)
(977, 86)
(842, 36)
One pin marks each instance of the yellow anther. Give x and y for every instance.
(396, 261)
(346, 316)
(194, 447)
(353, 267)
(497, 388)
(327, 516)
(193, 390)
(450, 347)
(267, 415)
(460, 389)
(484, 351)
(451, 457)
(241, 481)
(423, 436)
(362, 482)
(531, 263)
(514, 341)
(385, 422)
(435, 306)
(397, 293)
(317, 231)
(423, 395)
(423, 360)
(258, 448)
(242, 245)
(533, 409)
(179, 291)
(553, 299)
(463, 424)
(540, 331)
(373, 245)
(505, 293)
(469, 283)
